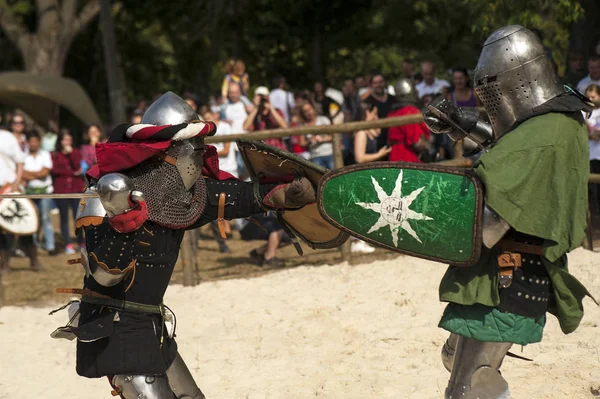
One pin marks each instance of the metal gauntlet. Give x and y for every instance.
(116, 193)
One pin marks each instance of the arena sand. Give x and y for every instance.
(366, 331)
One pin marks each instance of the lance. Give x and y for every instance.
(51, 196)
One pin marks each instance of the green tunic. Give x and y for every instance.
(535, 178)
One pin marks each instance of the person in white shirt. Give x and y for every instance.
(36, 172)
(593, 122)
(11, 175)
(594, 74)
(235, 112)
(282, 99)
(430, 84)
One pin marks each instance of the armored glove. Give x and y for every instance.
(292, 195)
(458, 123)
(125, 207)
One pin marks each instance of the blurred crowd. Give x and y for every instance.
(52, 162)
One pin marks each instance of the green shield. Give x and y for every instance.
(431, 212)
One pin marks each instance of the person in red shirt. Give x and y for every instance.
(409, 143)
(67, 178)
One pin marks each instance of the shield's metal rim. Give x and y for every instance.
(37, 220)
(342, 237)
(477, 228)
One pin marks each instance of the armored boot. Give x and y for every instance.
(475, 370)
(292, 195)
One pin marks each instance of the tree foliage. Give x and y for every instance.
(184, 45)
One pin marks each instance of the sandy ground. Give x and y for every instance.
(366, 331)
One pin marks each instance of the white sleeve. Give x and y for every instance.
(18, 155)
(46, 160)
(291, 100)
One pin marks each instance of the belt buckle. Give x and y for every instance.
(507, 263)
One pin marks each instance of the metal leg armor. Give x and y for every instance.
(475, 369)
(142, 386)
(181, 381)
(176, 383)
(448, 351)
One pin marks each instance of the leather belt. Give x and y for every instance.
(221, 215)
(514, 246)
(127, 306)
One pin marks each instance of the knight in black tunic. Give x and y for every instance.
(154, 181)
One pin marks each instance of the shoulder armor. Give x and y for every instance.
(90, 211)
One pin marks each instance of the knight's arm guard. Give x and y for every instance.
(494, 227)
(442, 116)
(112, 254)
(125, 207)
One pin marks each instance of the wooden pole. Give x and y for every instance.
(188, 259)
(327, 129)
(338, 162)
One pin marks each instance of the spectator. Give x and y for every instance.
(192, 100)
(66, 173)
(408, 69)
(594, 74)
(269, 230)
(593, 123)
(136, 117)
(320, 146)
(430, 84)
(238, 75)
(11, 175)
(265, 117)
(92, 136)
(235, 113)
(49, 139)
(575, 68)
(462, 94)
(361, 85)
(409, 143)
(323, 104)
(381, 100)
(351, 108)
(282, 99)
(227, 161)
(365, 142)
(17, 127)
(36, 171)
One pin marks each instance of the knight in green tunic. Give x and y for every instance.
(535, 177)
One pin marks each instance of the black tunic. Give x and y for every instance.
(132, 344)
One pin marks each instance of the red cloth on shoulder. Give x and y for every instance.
(401, 138)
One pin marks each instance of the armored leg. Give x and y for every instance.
(448, 351)
(142, 386)
(475, 370)
(181, 381)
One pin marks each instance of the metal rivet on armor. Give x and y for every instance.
(527, 296)
(531, 280)
(531, 261)
(539, 299)
(523, 278)
(533, 298)
(539, 263)
(519, 293)
(537, 281)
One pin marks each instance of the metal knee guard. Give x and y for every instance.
(448, 351)
(181, 381)
(142, 386)
(475, 372)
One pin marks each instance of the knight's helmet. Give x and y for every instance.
(170, 109)
(406, 91)
(513, 76)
